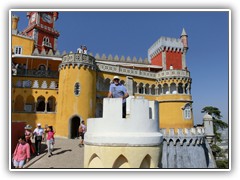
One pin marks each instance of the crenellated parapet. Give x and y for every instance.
(49, 53)
(124, 59)
(78, 59)
(131, 142)
(165, 44)
(192, 136)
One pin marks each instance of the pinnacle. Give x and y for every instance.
(184, 32)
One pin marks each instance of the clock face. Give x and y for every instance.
(46, 18)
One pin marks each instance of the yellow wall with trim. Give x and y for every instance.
(27, 44)
(70, 105)
(171, 112)
(34, 117)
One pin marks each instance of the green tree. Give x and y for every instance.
(213, 111)
(217, 124)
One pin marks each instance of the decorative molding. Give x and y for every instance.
(192, 136)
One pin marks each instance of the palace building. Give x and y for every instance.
(61, 89)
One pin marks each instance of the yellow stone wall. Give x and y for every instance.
(32, 118)
(121, 157)
(171, 112)
(70, 105)
(27, 44)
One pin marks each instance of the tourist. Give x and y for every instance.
(38, 133)
(118, 90)
(21, 154)
(50, 140)
(82, 130)
(28, 135)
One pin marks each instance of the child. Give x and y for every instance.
(50, 140)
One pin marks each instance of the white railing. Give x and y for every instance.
(140, 73)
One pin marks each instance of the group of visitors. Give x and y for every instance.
(25, 149)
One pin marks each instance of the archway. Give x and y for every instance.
(74, 124)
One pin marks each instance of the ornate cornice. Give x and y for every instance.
(78, 59)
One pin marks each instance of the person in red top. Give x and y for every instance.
(28, 135)
(50, 140)
(21, 153)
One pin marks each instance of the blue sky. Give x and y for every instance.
(132, 33)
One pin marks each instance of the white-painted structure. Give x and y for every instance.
(114, 140)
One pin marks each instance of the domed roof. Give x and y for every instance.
(207, 116)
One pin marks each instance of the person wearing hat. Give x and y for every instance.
(118, 90)
(39, 136)
(28, 135)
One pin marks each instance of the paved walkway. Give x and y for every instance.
(66, 154)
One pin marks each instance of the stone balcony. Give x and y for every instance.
(36, 73)
(140, 73)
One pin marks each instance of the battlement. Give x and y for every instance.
(78, 59)
(191, 136)
(140, 128)
(165, 44)
(116, 58)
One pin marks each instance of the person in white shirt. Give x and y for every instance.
(38, 133)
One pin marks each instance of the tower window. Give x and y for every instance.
(77, 89)
(18, 50)
(46, 42)
(187, 111)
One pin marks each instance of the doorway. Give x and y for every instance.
(74, 124)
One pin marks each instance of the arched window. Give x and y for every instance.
(41, 104)
(134, 87)
(165, 89)
(147, 89)
(153, 89)
(77, 89)
(29, 106)
(187, 88)
(159, 89)
(46, 42)
(173, 88)
(140, 88)
(46, 39)
(180, 88)
(19, 104)
(187, 111)
(51, 104)
(42, 67)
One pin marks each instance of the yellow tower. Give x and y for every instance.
(15, 20)
(77, 93)
(175, 103)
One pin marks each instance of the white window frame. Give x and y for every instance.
(18, 50)
(187, 111)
